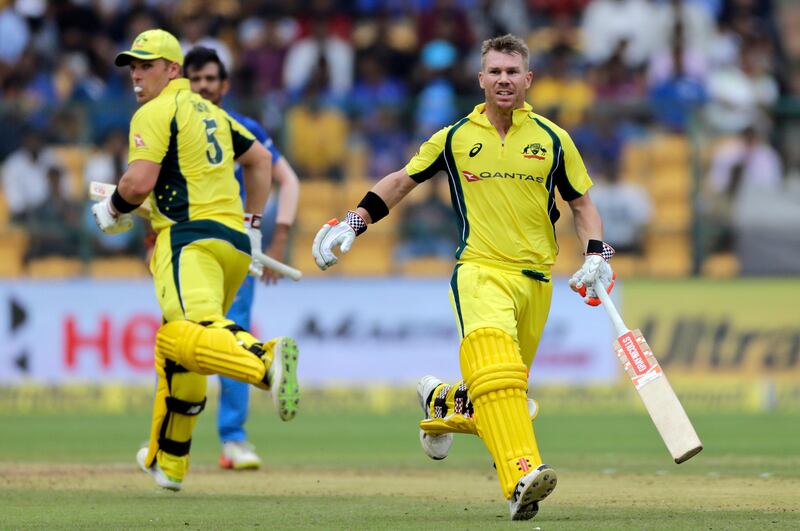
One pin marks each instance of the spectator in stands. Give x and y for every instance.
(54, 228)
(740, 93)
(677, 87)
(427, 228)
(25, 177)
(317, 131)
(608, 22)
(263, 53)
(386, 140)
(560, 91)
(109, 161)
(625, 209)
(436, 102)
(741, 167)
(303, 59)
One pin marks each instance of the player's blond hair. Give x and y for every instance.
(507, 43)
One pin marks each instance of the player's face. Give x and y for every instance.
(505, 79)
(149, 78)
(206, 82)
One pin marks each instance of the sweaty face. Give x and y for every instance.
(149, 78)
(505, 79)
(206, 82)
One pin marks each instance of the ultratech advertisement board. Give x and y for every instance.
(745, 327)
(387, 331)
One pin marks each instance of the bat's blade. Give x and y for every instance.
(659, 399)
(99, 191)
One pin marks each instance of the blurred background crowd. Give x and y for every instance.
(687, 113)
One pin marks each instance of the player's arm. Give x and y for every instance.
(595, 268)
(284, 176)
(588, 224)
(256, 164)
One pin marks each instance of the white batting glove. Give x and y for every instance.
(252, 224)
(594, 271)
(108, 219)
(335, 234)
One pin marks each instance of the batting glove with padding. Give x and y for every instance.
(335, 234)
(252, 224)
(595, 270)
(108, 219)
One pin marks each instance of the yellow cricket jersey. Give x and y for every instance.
(503, 191)
(195, 142)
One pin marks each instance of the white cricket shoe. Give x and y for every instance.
(435, 446)
(239, 455)
(282, 378)
(531, 488)
(161, 479)
(438, 446)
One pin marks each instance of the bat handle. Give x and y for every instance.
(611, 309)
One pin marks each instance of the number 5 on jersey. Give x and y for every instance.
(214, 151)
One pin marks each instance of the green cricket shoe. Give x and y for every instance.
(282, 378)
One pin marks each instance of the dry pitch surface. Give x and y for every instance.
(367, 472)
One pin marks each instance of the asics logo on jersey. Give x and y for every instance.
(475, 149)
(532, 151)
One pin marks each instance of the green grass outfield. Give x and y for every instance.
(366, 471)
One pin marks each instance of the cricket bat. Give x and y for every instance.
(648, 378)
(99, 191)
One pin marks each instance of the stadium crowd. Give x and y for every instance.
(686, 111)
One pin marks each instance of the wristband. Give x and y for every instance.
(356, 221)
(375, 206)
(119, 203)
(252, 221)
(601, 248)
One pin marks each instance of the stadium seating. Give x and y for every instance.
(118, 267)
(55, 267)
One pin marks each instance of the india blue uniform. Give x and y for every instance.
(235, 395)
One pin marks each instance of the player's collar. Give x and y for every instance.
(176, 84)
(478, 115)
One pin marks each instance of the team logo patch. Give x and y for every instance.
(469, 176)
(534, 151)
(137, 139)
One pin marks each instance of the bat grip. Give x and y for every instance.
(611, 309)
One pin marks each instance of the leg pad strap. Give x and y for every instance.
(176, 448)
(176, 405)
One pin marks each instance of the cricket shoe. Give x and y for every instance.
(239, 455)
(435, 446)
(438, 446)
(282, 378)
(531, 488)
(161, 479)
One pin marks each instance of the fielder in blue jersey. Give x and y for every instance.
(208, 77)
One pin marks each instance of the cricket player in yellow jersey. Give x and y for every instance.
(504, 164)
(181, 159)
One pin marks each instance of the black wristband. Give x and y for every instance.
(601, 248)
(119, 203)
(375, 206)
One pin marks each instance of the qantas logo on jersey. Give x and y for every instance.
(472, 177)
(534, 151)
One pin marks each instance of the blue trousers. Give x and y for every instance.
(234, 396)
